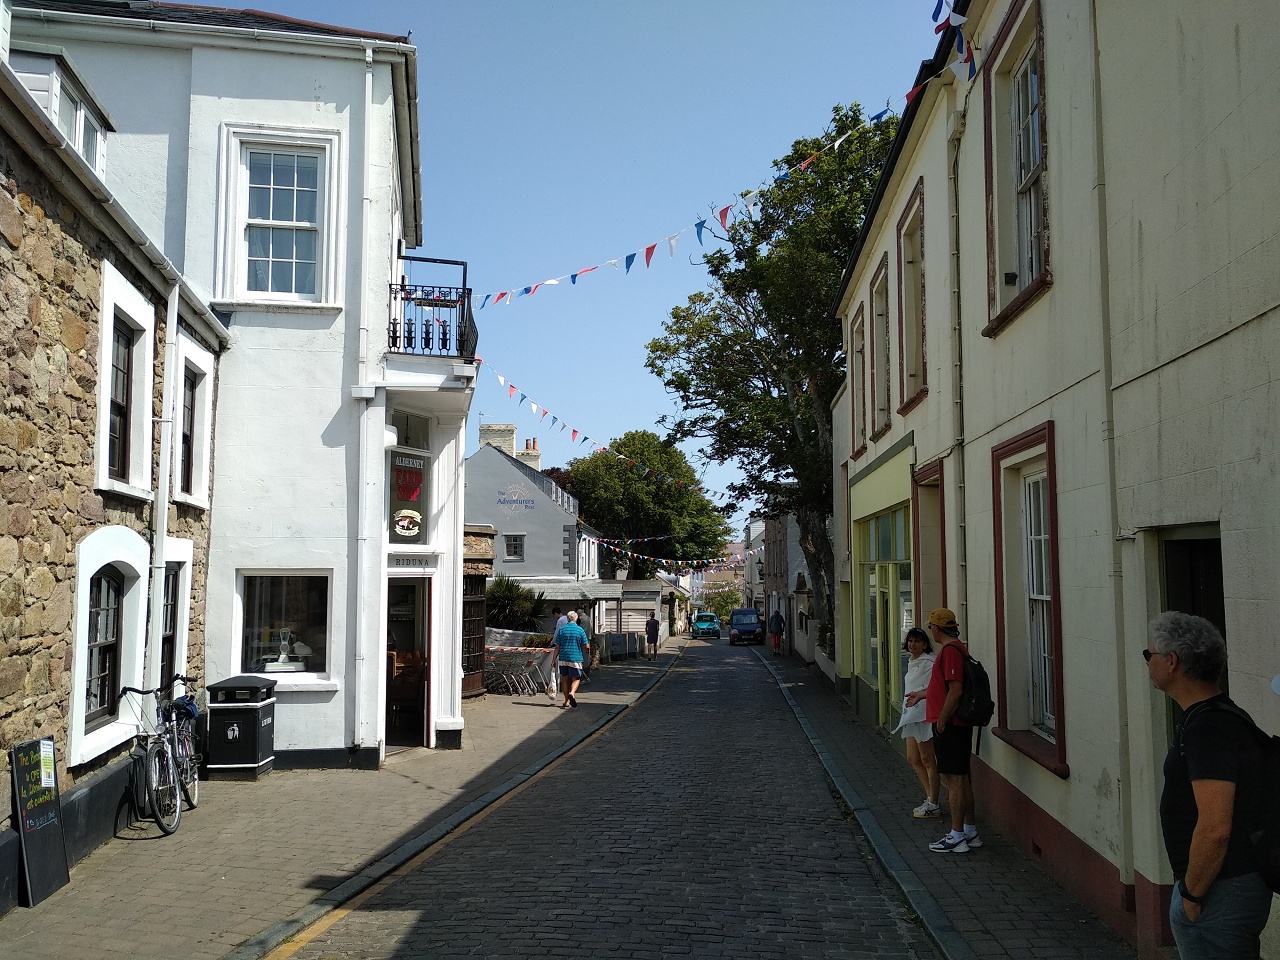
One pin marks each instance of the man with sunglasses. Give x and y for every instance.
(1212, 793)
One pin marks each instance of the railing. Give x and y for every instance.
(431, 321)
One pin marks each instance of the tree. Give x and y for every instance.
(757, 360)
(721, 598)
(644, 487)
(509, 606)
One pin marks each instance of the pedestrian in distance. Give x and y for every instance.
(915, 728)
(561, 619)
(776, 626)
(1213, 795)
(952, 737)
(651, 635)
(570, 647)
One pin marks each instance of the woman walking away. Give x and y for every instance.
(915, 729)
(570, 647)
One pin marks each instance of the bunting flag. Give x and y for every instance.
(965, 68)
(668, 562)
(511, 390)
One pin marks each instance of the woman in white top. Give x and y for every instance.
(917, 731)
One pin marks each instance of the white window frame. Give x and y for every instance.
(179, 553)
(293, 681)
(1027, 164)
(1038, 601)
(508, 541)
(123, 302)
(881, 378)
(231, 278)
(130, 555)
(194, 358)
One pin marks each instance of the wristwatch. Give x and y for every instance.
(1189, 896)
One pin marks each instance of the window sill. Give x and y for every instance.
(107, 485)
(301, 685)
(1036, 747)
(877, 434)
(913, 401)
(1029, 295)
(187, 500)
(277, 306)
(98, 741)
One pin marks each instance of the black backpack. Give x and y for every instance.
(1264, 831)
(976, 706)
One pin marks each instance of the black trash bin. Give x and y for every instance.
(242, 727)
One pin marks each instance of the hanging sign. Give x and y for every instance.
(406, 499)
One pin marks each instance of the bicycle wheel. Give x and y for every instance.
(162, 787)
(188, 767)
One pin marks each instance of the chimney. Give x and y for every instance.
(531, 455)
(500, 435)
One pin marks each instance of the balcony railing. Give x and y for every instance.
(431, 321)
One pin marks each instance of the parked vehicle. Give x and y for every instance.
(706, 625)
(746, 626)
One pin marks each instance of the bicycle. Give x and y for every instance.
(172, 767)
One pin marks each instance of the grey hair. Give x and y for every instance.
(1195, 640)
(573, 616)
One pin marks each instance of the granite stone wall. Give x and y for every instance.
(50, 291)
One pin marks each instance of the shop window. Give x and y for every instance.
(285, 622)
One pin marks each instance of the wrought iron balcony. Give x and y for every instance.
(429, 320)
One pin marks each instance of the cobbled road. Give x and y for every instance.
(699, 824)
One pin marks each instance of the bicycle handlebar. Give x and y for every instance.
(165, 686)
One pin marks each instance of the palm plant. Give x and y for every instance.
(509, 606)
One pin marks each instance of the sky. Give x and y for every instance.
(560, 134)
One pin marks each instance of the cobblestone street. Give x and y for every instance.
(699, 824)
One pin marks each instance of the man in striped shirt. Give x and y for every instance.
(571, 648)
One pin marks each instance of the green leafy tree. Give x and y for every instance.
(646, 488)
(756, 360)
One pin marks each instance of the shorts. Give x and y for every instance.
(571, 670)
(919, 730)
(953, 748)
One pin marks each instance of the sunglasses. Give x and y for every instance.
(1148, 654)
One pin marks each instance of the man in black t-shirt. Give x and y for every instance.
(1211, 796)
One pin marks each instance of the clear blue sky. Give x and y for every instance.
(557, 135)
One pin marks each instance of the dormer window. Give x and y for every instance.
(51, 79)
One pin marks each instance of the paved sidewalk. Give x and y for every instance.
(257, 862)
(989, 903)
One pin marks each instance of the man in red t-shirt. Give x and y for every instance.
(953, 738)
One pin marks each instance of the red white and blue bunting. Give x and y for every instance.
(965, 68)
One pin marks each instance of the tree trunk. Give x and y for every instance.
(815, 543)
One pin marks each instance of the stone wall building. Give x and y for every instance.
(83, 470)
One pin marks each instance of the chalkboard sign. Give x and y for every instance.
(39, 824)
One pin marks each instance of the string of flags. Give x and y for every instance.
(665, 536)
(703, 564)
(965, 68)
(580, 437)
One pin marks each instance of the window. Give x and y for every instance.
(858, 380)
(514, 546)
(1029, 685)
(884, 559)
(282, 232)
(1017, 216)
(169, 619)
(125, 388)
(912, 384)
(279, 239)
(106, 623)
(193, 440)
(880, 390)
(57, 87)
(122, 338)
(108, 638)
(286, 623)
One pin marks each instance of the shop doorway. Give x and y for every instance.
(1191, 564)
(407, 663)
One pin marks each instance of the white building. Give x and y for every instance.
(276, 164)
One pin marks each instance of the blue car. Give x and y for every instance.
(706, 625)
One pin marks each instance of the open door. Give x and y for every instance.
(407, 659)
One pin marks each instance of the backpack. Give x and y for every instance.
(1264, 835)
(976, 706)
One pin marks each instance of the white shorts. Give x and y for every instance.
(921, 730)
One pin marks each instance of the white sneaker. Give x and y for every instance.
(973, 840)
(949, 844)
(927, 810)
